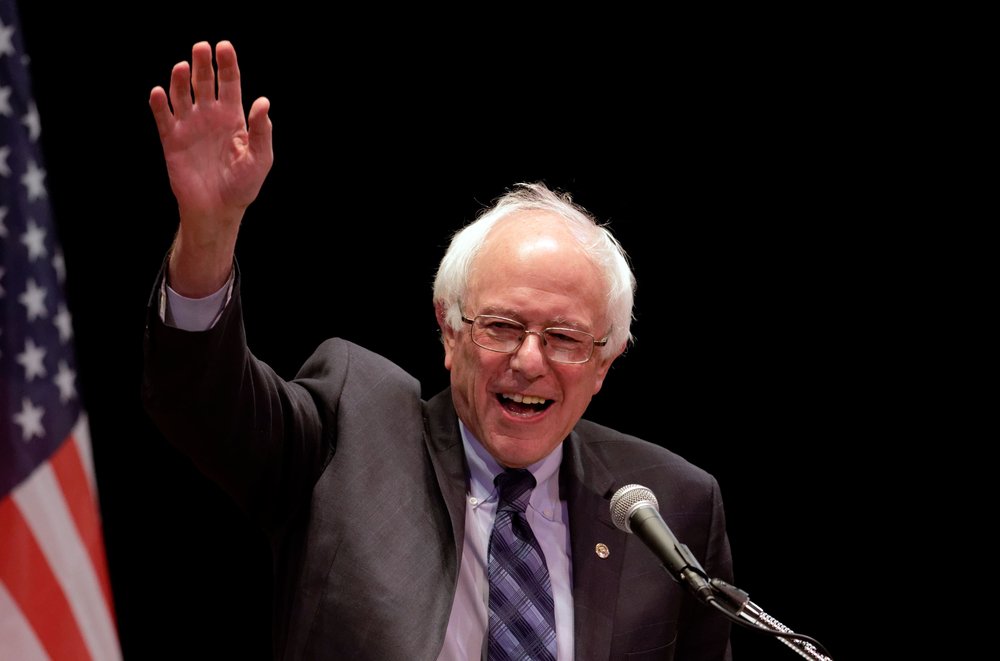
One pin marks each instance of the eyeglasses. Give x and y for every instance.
(562, 345)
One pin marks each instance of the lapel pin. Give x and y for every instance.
(602, 550)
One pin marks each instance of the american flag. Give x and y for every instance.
(55, 596)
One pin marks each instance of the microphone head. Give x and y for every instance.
(627, 500)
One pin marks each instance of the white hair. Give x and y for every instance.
(452, 279)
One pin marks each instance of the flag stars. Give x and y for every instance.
(33, 180)
(32, 121)
(64, 322)
(30, 420)
(34, 239)
(5, 108)
(65, 380)
(6, 39)
(33, 299)
(4, 168)
(32, 360)
(2, 272)
(3, 228)
(59, 264)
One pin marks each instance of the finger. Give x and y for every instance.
(161, 111)
(202, 73)
(260, 131)
(230, 91)
(180, 89)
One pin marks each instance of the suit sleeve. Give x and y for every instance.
(706, 632)
(260, 437)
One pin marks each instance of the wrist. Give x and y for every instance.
(197, 270)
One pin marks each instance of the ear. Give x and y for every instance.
(448, 335)
(603, 365)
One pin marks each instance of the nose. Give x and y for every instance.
(529, 357)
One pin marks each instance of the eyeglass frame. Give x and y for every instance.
(541, 335)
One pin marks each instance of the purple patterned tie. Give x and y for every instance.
(522, 616)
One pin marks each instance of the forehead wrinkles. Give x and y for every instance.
(525, 258)
(535, 247)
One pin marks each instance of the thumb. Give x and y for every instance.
(259, 129)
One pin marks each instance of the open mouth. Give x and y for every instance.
(523, 404)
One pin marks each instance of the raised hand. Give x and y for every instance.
(216, 162)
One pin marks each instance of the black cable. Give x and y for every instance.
(737, 601)
(781, 634)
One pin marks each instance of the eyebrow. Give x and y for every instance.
(557, 322)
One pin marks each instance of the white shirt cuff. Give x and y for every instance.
(194, 314)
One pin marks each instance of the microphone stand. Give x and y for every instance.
(736, 605)
(634, 509)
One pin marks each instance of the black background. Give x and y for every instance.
(742, 177)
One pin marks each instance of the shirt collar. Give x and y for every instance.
(483, 468)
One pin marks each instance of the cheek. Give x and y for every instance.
(599, 374)
(475, 369)
(462, 363)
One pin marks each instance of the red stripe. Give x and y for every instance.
(82, 504)
(34, 588)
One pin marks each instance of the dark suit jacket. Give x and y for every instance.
(360, 485)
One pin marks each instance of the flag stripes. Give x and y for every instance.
(36, 595)
(17, 638)
(81, 499)
(48, 569)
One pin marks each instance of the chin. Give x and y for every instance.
(513, 453)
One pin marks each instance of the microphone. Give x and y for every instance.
(635, 509)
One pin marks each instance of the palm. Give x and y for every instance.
(209, 162)
(216, 166)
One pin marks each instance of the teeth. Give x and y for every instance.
(525, 399)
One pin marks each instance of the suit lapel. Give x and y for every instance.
(586, 485)
(598, 548)
(444, 443)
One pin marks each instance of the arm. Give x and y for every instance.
(258, 436)
(242, 424)
(216, 161)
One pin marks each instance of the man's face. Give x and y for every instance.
(532, 271)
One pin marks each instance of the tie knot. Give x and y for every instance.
(514, 486)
